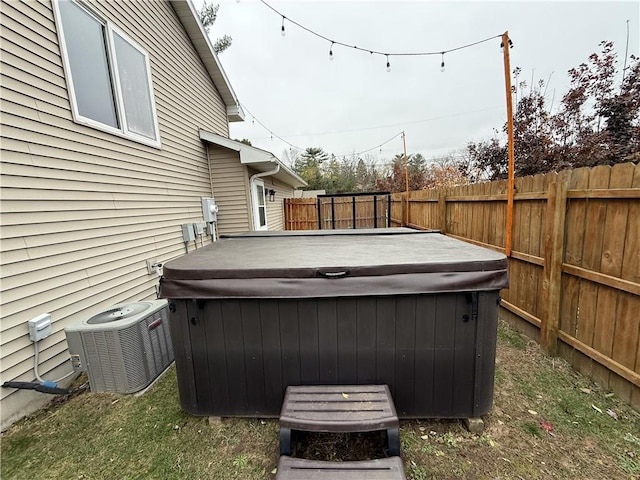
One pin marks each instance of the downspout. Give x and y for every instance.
(255, 176)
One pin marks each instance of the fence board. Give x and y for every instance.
(595, 213)
(631, 257)
(525, 212)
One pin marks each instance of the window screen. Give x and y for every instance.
(134, 85)
(87, 53)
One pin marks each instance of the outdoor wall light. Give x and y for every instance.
(272, 195)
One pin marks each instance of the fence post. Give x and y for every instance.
(553, 258)
(442, 210)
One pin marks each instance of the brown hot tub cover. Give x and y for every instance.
(344, 263)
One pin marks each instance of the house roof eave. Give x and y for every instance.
(190, 20)
(256, 158)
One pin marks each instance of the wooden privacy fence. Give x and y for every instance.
(327, 212)
(575, 263)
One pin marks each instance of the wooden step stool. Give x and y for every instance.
(339, 409)
(298, 469)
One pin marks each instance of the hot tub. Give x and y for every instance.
(252, 314)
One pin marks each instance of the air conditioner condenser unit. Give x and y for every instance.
(123, 348)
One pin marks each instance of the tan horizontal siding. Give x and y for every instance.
(25, 99)
(38, 128)
(38, 56)
(41, 69)
(275, 210)
(42, 98)
(40, 84)
(45, 49)
(230, 182)
(83, 158)
(37, 21)
(100, 220)
(42, 7)
(126, 174)
(84, 209)
(71, 220)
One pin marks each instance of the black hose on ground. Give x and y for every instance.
(46, 387)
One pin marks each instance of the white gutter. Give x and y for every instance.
(253, 177)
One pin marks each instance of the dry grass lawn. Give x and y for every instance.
(547, 422)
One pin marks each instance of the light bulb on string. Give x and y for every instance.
(502, 44)
(442, 63)
(331, 51)
(282, 32)
(388, 64)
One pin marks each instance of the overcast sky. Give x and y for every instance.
(352, 103)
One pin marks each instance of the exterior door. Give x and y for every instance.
(259, 205)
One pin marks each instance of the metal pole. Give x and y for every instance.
(388, 210)
(333, 214)
(319, 214)
(510, 182)
(375, 211)
(353, 208)
(406, 177)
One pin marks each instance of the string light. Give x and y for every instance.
(502, 44)
(372, 148)
(376, 52)
(282, 32)
(271, 134)
(379, 146)
(291, 145)
(442, 63)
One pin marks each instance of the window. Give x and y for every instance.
(108, 75)
(259, 206)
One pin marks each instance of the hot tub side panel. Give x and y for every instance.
(236, 357)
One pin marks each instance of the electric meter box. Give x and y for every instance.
(209, 210)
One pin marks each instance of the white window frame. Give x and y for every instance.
(110, 29)
(256, 205)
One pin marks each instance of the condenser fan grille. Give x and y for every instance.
(118, 313)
